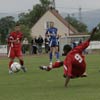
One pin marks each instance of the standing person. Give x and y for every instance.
(39, 44)
(74, 63)
(46, 40)
(52, 33)
(15, 47)
(34, 45)
(73, 44)
(25, 45)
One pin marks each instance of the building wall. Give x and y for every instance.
(40, 29)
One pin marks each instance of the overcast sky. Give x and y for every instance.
(61, 5)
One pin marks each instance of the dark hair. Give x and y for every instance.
(17, 24)
(66, 49)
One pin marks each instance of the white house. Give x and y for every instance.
(52, 16)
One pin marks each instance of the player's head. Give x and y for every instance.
(66, 49)
(17, 27)
(51, 24)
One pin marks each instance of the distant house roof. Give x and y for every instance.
(68, 26)
(57, 15)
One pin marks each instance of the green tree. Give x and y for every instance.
(6, 24)
(81, 27)
(26, 31)
(97, 35)
(33, 15)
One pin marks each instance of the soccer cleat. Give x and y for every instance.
(57, 60)
(45, 68)
(10, 71)
(50, 63)
(84, 74)
(24, 68)
(64, 76)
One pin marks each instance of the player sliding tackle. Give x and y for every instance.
(74, 63)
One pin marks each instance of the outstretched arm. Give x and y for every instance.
(67, 81)
(85, 44)
(93, 32)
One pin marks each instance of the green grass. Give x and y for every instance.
(41, 85)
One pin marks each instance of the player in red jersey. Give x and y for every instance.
(74, 63)
(15, 47)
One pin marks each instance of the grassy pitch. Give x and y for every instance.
(41, 85)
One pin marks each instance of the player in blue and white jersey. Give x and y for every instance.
(53, 42)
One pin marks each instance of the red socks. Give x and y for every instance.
(10, 64)
(57, 64)
(21, 62)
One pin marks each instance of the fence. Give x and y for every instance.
(3, 50)
(94, 45)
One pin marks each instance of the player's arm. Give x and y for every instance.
(12, 40)
(67, 81)
(93, 32)
(67, 70)
(86, 43)
(19, 38)
(47, 33)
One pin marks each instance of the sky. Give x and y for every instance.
(12, 6)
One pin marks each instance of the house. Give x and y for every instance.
(68, 32)
(64, 28)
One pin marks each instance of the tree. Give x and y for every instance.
(6, 24)
(81, 27)
(26, 31)
(97, 35)
(33, 16)
(45, 4)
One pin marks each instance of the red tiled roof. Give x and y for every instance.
(57, 15)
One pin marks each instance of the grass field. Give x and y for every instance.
(41, 85)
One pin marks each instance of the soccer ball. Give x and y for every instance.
(15, 67)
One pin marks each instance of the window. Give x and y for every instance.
(47, 24)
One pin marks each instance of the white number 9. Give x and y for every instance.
(78, 58)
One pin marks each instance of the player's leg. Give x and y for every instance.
(57, 53)
(11, 55)
(10, 63)
(51, 54)
(18, 52)
(21, 61)
(55, 65)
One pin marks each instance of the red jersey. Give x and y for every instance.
(15, 36)
(74, 63)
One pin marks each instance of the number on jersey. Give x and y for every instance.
(78, 58)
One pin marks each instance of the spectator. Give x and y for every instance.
(34, 45)
(39, 44)
(25, 44)
(73, 45)
(46, 40)
(80, 41)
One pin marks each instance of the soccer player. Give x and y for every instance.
(53, 42)
(15, 47)
(74, 63)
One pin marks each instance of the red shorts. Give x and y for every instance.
(78, 71)
(14, 52)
